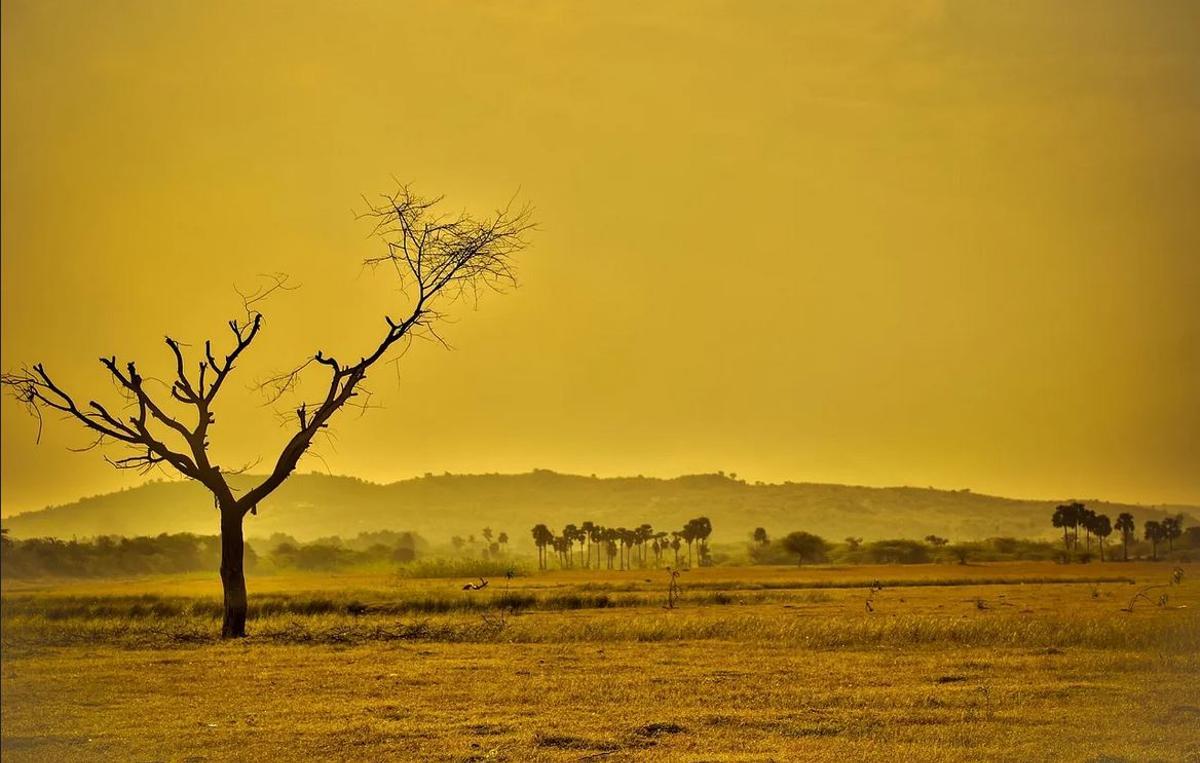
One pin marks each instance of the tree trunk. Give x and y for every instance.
(233, 577)
(1125, 553)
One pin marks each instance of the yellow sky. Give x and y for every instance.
(883, 243)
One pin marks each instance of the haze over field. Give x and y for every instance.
(883, 243)
(816, 245)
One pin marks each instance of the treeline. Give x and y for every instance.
(383, 548)
(807, 548)
(109, 556)
(622, 548)
(113, 556)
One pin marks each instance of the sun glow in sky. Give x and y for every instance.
(950, 244)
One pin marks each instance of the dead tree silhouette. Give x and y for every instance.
(439, 258)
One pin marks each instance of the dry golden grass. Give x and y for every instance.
(758, 664)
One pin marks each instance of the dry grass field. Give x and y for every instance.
(1022, 661)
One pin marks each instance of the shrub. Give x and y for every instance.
(897, 552)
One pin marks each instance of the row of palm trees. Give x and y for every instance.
(1073, 516)
(619, 547)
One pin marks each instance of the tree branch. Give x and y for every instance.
(439, 258)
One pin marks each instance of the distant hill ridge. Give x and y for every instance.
(313, 505)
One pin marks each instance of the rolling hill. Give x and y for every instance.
(309, 506)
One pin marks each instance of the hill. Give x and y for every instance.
(309, 506)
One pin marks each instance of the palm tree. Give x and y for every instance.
(569, 534)
(581, 537)
(596, 536)
(688, 534)
(565, 547)
(587, 529)
(1078, 516)
(602, 538)
(1102, 526)
(1070, 515)
(675, 546)
(1061, 518)
(704, 529)
(610, 547)
(1154, 533)
(660, 545)
(644, 533)
(1087, 518)
(458, 542)
(760, 536)
(542, 537)
(502, 539)
(697, 529)
(629, 540)
(487, 534)
(1172, 529)
(1126, 527)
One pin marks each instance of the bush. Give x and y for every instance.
(772, 553)
(897, 552)
(805, 547)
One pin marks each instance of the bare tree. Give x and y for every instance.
(438, 257)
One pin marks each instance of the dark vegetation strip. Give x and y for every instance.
(1175, 635)
(267, 605)
(144, 607)
(904, 583)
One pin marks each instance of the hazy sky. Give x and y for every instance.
(883, 243)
